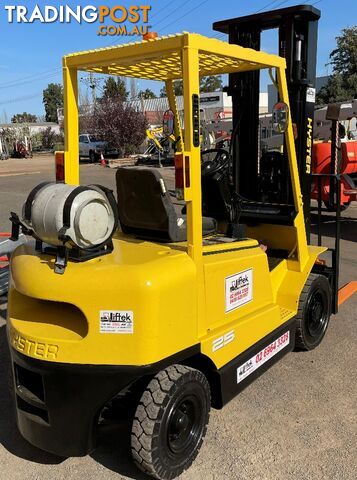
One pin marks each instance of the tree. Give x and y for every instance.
(48, 138)
(178, 88)
(212, 83)
(18, 131)
(344, 57)
(115, 88)
(52, 100)
(8, 134)
(146, 94)
(24, 118)
(118, 124)
(342, 84)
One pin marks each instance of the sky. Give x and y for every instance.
(30, 54)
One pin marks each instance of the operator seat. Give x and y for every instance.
(145, 208)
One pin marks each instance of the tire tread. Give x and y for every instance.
(300, 343)
(147, 417)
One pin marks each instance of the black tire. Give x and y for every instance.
(333, 207)
(314, 312)
(170, 422)
(92, 157)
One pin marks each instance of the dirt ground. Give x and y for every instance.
(296, 422)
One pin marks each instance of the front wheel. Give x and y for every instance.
(313, 313)
(170, 422)
(92, 157)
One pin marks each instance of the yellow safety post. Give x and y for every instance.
(302, 248)
(71, 129)
(192, 155)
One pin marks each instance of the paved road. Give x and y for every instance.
(297, 422)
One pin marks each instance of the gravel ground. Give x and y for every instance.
(297, 422)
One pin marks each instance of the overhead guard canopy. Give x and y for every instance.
(161, 58)
(268, 20)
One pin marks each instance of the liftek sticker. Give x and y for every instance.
(263, 356)
(310, 95)
(116, 321)
(238, 289)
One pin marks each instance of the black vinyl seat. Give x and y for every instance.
(145, 208)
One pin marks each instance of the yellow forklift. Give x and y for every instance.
(179, 310)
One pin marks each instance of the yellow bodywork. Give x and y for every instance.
(175, 291)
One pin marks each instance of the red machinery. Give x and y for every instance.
(22, 149)
(346, 166)
(335, 157)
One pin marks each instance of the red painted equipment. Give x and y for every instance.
(349, 157)
(321, 163)
(335, 158)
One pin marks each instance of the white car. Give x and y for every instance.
(91, 147)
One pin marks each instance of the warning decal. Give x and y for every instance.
(116, 321)
(263, 356)
(238, 289)
(310, 95)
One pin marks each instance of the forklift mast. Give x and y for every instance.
(297, 28)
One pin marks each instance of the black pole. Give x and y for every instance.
(337, 241)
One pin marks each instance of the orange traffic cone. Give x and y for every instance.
(102, 160)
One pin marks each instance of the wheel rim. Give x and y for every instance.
(183, 428)
(317, 314)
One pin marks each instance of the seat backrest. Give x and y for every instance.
(144, 205)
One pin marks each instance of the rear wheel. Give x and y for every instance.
(314, 312)
(170, 422)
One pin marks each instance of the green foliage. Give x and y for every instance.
(115, 87)
(49, 138)
(24, 118)
(344, 57)
(147, 93)
(8, 134)
(52, 100)
(17, 132)
(342, 84)
(178, 89)
(36, 141)
(338, 89)
(212, 83)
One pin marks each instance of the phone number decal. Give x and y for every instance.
(263, 356)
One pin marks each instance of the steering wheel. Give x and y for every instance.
(216, 160)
